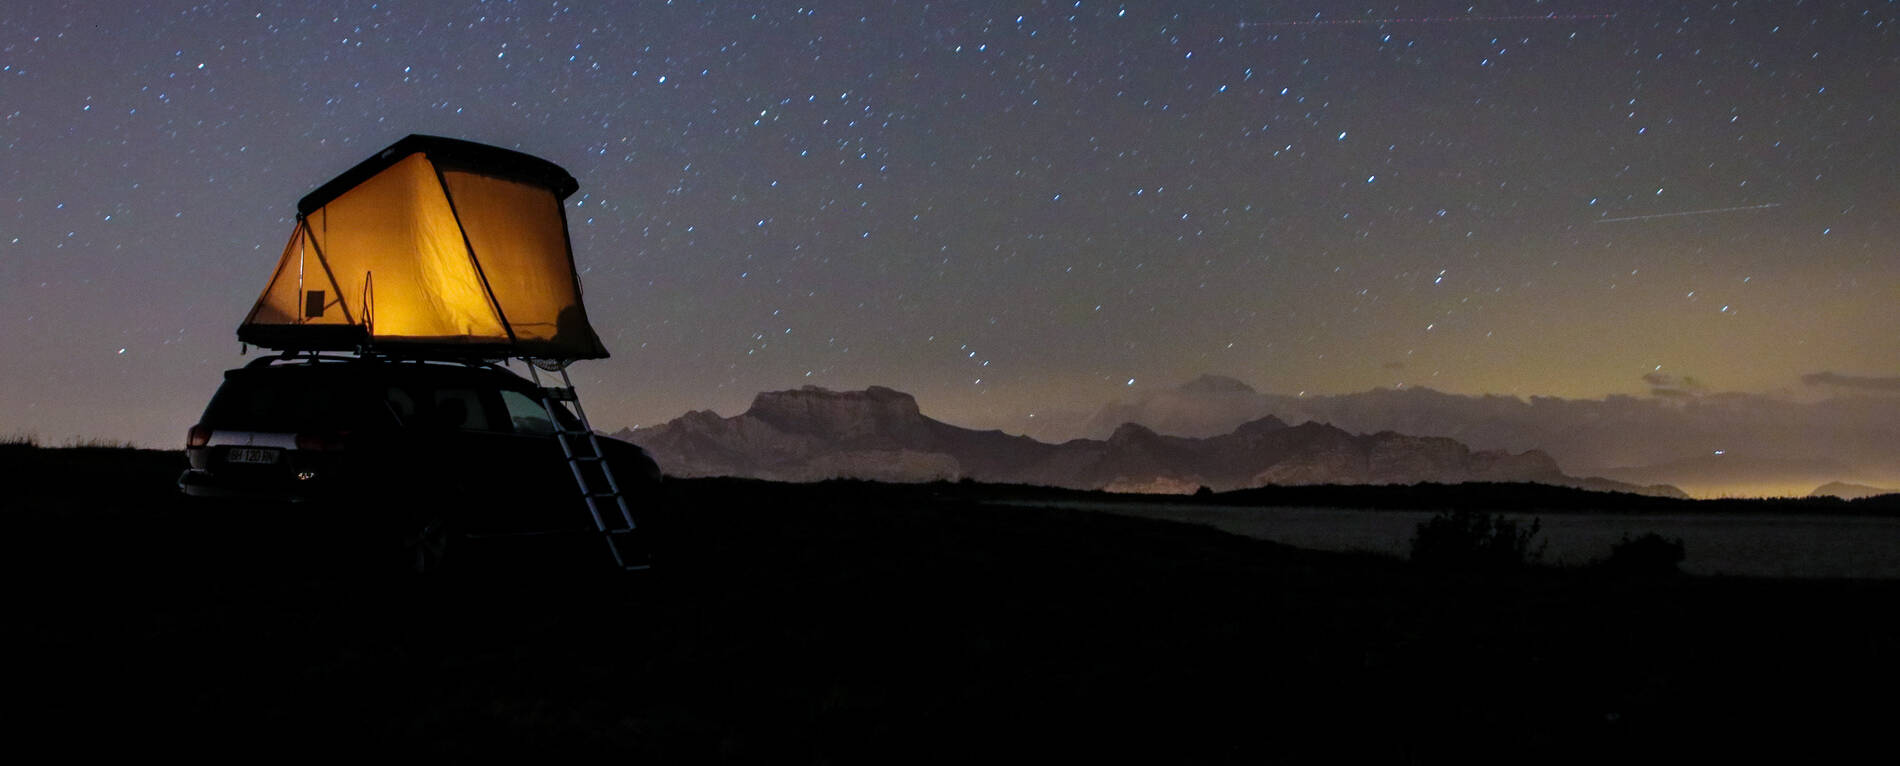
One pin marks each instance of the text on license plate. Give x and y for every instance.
(251, 455)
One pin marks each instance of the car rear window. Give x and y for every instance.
(374, 397)
(294, 402)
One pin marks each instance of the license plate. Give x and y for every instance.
(251, 455)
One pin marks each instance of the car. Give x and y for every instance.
(426, 451)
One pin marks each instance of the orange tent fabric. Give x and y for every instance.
(433, 246)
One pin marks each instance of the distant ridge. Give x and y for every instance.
(1846, 491)
(1709, 444)
(1216, 384)
(811, 434)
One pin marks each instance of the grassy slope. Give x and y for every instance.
(843, 622)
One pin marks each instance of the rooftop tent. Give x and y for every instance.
(434, 245)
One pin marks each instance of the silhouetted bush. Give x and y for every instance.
(1465, 540)
(1649, 556)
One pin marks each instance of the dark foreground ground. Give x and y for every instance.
(848, 622)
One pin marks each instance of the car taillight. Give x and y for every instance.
(330, 442)
(198, 436)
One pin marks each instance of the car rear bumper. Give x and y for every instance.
(197, 482)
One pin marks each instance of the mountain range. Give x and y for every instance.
(1707, 444)
(813, 433)
(1847, 491)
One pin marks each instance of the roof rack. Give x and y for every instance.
(371, 357)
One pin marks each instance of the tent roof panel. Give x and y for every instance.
(449, 152)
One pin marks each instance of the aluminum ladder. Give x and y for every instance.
(602, 502)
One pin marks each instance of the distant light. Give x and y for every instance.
(1131, 381)
(1721, 452)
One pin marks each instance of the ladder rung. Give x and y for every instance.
(570, 446)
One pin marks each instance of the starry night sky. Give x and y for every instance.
(1004, 208)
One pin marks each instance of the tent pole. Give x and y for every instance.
(369, 304)
(469, 247)
(303, 235)
(325, 263)
(574, 275)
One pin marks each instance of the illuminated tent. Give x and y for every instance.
(433, 246)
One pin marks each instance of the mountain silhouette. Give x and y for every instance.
(1846, 491)
(1771, 445)
(811, 434)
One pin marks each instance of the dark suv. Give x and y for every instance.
(432, 450)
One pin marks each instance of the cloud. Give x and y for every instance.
(1852, 381)
(1661, 384)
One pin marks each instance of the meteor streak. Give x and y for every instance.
(1425, 20)
(1710, 211)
